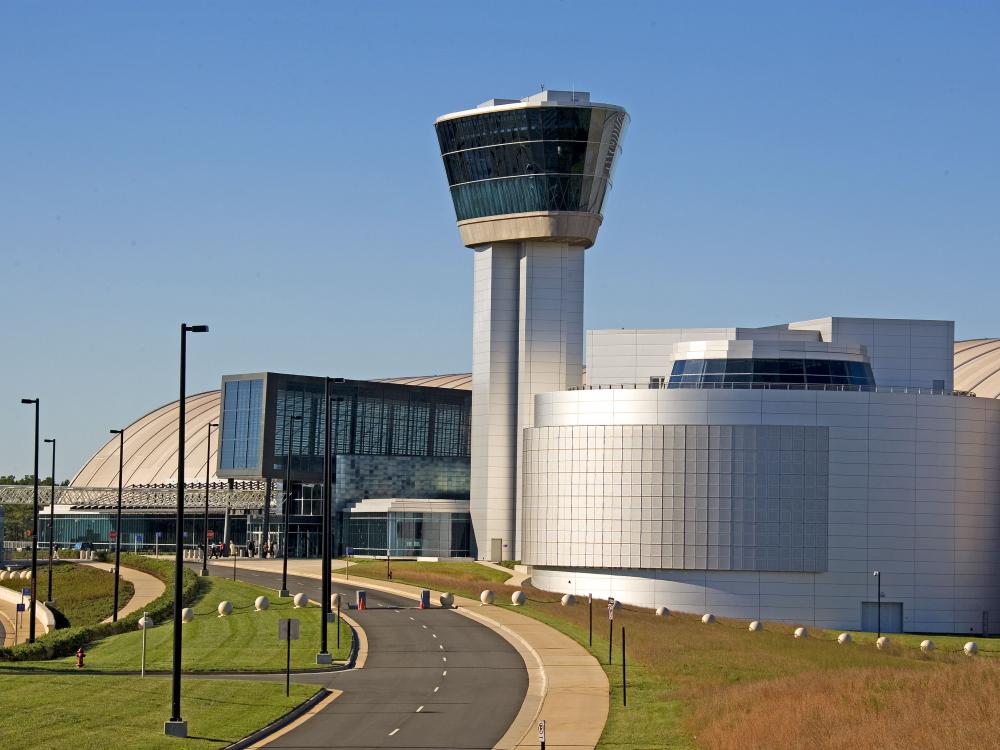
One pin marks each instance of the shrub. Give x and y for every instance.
(59, 643)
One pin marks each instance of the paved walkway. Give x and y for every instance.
(147, 587)
(44, 620)
(566, 686)
(516, 578)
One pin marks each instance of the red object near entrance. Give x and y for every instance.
(211, 534)
(113, 535)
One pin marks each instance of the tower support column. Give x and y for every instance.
(494, 398)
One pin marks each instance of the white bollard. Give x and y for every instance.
(708, 618)
(300, 600)
(970, 648)
(261, 603)
(883, 643)
(447, 599)
(486, 597)
(662, 612)
(801, 633)
(756, 626)
(567, 600)
(225, 608)
(518, 598)
(927, 646)
(844, 638)
(187, 614)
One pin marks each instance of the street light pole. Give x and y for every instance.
(323, 657)
(34, 531)
(878, 598)
(176, 726)
(208, 476)
(288, 501)
(52, 517)
(118, 517)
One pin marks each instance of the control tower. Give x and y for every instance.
(528, 178)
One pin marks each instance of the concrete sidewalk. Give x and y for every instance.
(147, 587)
(566, 686)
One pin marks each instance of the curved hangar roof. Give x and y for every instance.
(977, 367)
(151, 441)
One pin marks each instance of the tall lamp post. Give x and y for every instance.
(118, 517)
(176, 726)
(52, 517)
(324, 657)
(878, 597)
(34, 531)
(288, 501)
(208, 476)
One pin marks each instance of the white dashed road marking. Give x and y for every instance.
(444, 673)
(420, 709)
(437, 688)
(393, 731)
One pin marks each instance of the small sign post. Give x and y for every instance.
(624, 683)
(611, 626)
(541, 734)
(288, 631)
(590, 606)
(347, 563)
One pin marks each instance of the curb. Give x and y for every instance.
(281, 722)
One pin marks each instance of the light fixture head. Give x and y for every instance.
(875, 573)
(117, 432)
(196, 329)
(49, 440)
(29, 400)
(213, 424)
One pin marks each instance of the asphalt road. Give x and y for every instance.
(433, 678)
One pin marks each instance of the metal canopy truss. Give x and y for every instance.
(243, 495)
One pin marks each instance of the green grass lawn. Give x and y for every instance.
(83, 595)
(95, 712)
(444, 576)
(245, 641)
(693, 685)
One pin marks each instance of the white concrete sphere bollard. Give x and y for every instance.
(487, 597)
(225, 608)
(187, 614)
(708, 618)
(518, 598)
(845, 638)
(970, 648)
(145, 622)
(567, 600)
(3, 575)
(756, 626)
(883, 643)
(801, 633)
(927, 646)
(261, 603)
(335, 600)
(447, 599)
(662, 612)
(300, 600)
(26, 575)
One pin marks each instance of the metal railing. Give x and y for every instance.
(774, 387)
(143, 496)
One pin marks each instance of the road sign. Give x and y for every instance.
(211, 534)
(159, 534)
(349, 551)
(611, 608)
(28, 532)
(541, 731)
(113, 535)
(288, 629)
(26, 592)
(20, 607)
(138, 538)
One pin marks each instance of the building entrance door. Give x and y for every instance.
(891, 617)
(496, 550)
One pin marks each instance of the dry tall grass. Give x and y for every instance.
(949, 707)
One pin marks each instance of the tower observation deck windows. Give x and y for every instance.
(763, 373)
(530, 159)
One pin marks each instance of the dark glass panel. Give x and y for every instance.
(715, 365)
(816, 367)
(526, 194)
(739, 366)
(512, 126)
(550, 157)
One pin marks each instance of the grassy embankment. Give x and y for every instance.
(83, 595)
(719, 686)
(245, 641)
(96, 712)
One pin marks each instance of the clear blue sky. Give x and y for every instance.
(271, 170)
